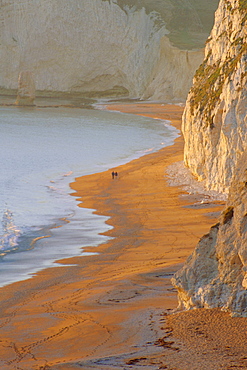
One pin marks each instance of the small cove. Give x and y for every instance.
(42, 151)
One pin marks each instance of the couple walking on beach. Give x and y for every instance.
(114, 174)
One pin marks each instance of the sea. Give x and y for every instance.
(43, 150)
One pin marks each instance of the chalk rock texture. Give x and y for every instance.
(215, 128)
(93, 48)
(26, 89)
(214, 121)
(215, 275)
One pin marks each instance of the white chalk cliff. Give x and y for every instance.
(93, 48)
(214, 121)
(26, 89)
(215, 129)
(215, 275)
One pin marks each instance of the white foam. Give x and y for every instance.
(42, 152)
(179, 175)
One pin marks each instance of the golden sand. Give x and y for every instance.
(111, 310)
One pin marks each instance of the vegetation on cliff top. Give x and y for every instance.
(209, 81)
(188, 22)
(243, 10)
(210, 78)
(243, 5)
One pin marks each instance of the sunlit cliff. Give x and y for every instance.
(103, 48)
(215, 132)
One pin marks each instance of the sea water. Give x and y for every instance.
(42, 150)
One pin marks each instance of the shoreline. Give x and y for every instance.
(109, 310)
(57, 184)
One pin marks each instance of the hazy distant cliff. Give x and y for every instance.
(100, 47)
(215, 131)
(214, 122)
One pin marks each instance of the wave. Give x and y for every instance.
(11, 233)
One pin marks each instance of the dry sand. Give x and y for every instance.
(113, 310)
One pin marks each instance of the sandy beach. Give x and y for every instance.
(115, 309)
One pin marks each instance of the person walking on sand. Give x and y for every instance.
(116, 174)
(113, 174)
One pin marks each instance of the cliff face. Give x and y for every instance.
(215, 275)
(215, 126)
(93, 48)
(214, 121)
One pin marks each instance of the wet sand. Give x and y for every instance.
(113, 310)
